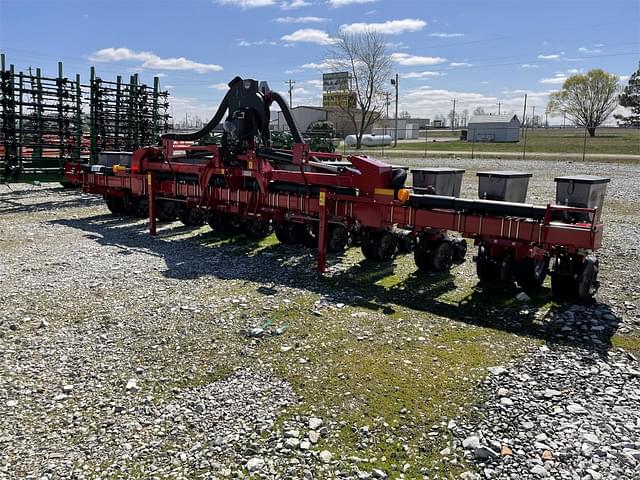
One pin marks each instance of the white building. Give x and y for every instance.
(493, 128)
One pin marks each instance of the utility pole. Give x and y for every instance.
(499, 107)
(291, 84)
(524, 110)
(453, 117)
(395, 136)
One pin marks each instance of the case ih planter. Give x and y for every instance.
(323, 200)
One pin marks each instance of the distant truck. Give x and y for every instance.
(438, 124)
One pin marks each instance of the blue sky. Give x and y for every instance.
(478, 52)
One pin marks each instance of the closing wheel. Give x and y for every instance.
(493, 269)
(531, 272)
(167, 211)
(290, 233)
(257, 228)
(434, 256)
(140, 207)
(224, 223)
(115, 205)
(384, 246)
(459, 249)
(405, 243)
(575, 280)
(588, 278)
(191, 217)
(337, 238)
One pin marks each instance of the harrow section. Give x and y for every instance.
(330, 202)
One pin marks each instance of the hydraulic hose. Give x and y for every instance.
(208, 128)
(297, 136)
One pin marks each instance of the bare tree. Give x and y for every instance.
(365, 57)
(479, 111)
(587, 99)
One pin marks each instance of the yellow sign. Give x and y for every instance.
(339, 99)
(323, 199)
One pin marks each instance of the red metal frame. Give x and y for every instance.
(375, 206)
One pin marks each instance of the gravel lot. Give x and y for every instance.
(194, 356)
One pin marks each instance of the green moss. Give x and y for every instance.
(630, 343)
(364, 373)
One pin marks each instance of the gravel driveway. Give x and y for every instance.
(196, 356)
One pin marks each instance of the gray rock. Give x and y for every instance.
(326, 456)
(255, 464)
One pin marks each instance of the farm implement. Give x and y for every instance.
(328, 201)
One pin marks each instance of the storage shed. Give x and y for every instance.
(493, 128)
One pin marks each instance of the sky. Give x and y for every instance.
(480, 53)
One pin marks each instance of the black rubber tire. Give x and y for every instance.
(309, 237)
(383, 246)
(459, 249)
(587, 280)
(290, 233)
(494, 270)
(191, 217)
(69, 186)
(405, 243)
(140, 207)
(337, 238)
(115, 205)
(166, 211)
(530, 273)
(257, 229)
(366, 245)
(434, 256)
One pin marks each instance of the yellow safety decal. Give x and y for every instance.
(250, 165)
(323, 199)
(383, 191)
(149, 179)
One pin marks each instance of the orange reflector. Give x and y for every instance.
(404, 194)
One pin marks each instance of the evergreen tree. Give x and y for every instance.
(630, 98)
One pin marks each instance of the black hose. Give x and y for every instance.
(297, 136)
(208, 128)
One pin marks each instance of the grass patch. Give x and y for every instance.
(630, 343)
(386, 379)
(608, 141)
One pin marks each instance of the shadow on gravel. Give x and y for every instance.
(10, 200)
(236, 257)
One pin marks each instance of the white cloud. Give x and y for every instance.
(220, 86)
(151, 61)
(160, 75)
(301, 19)
(484, 82)
(344, 3)
(245, 43)
(553, 56)
(624, 78)
(557, 80)
(529, 65)
(244, 4)
(598, 45)
(589, 50)
(390, 27)
(326, 65)
(168, 87)
(293, 4)
(315, 83)
(422, 74)
(460, 64)
(310, 35)
(446, 35)
(410, 60)
(574, 71)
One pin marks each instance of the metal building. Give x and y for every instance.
(493, 128)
